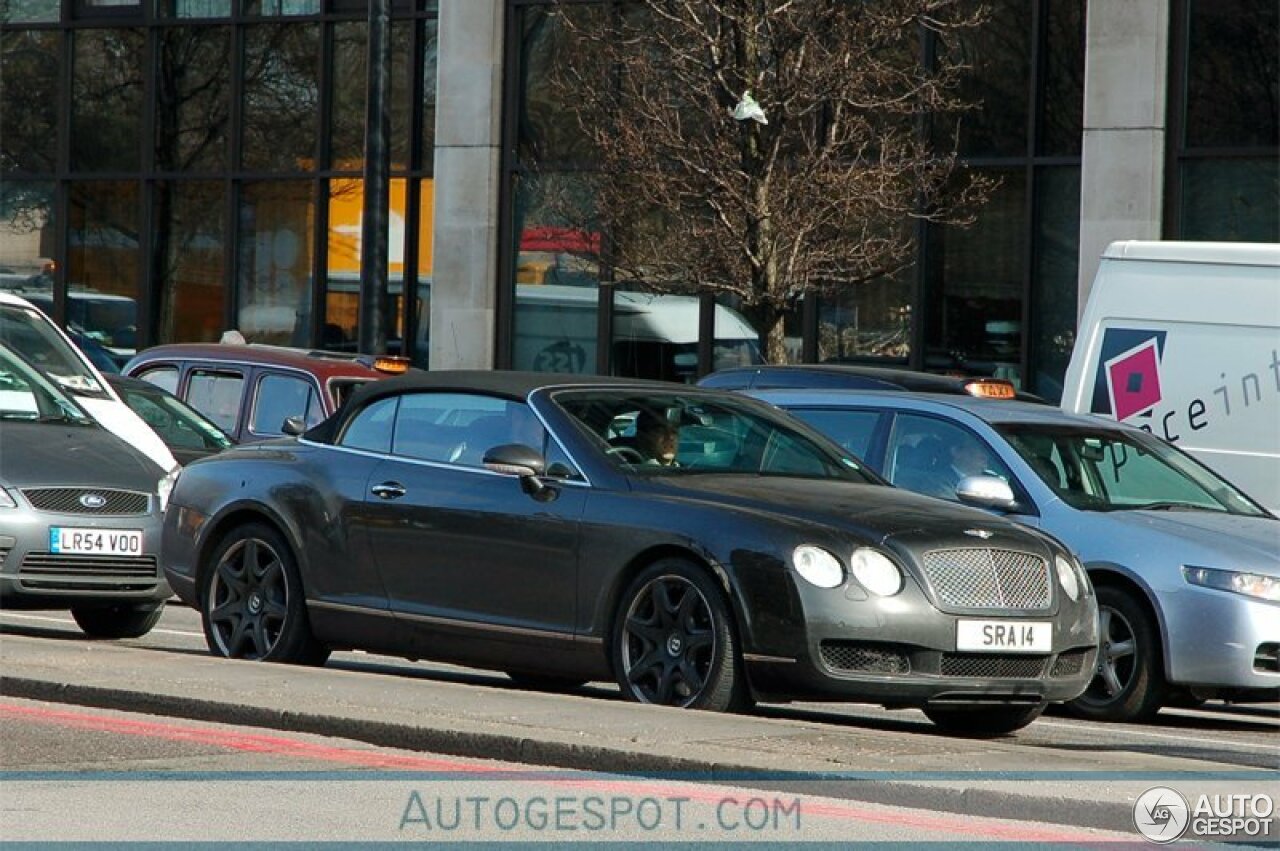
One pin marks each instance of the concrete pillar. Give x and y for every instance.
(1122, 172)
(467, 175)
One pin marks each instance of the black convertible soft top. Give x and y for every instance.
(507, 384)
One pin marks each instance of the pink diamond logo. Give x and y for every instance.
(1134, 380)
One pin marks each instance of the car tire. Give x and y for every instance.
(544, 682)
(252, 605)
(983, 720)
(673, 640)
(1128, 683)
(119, 621)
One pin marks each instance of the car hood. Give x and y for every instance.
(875, 512)
(46, 454)
(1206, 539)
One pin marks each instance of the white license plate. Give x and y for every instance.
(111, 542)
(1004, 636)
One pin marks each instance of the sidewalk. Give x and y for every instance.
(1083, 787)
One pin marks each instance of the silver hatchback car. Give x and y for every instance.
(80, 511)
(1187, 568)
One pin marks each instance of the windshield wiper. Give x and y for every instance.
(1172, 505)
(63, 418)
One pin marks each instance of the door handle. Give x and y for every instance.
(388, 490)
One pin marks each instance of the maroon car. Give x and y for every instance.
(250, 390)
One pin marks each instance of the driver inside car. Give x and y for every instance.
(657, 439)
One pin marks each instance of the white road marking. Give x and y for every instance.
(71, 622)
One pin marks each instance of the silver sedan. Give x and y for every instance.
(80, 511)
(1187, 568)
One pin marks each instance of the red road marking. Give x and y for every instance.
(281, 746)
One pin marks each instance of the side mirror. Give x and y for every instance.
(293, 426)
(515, 459)
(986, 492)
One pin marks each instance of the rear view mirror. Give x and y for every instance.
(515, 459)
(986, 492)
(293, 426)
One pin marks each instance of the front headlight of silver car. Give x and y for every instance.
(875, 572)
(1254, 585)
(6, 499)
(818, 566)
(1067, 577)
(164, 487)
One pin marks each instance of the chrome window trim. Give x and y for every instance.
(404, 459)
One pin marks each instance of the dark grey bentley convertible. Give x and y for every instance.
(702, 548)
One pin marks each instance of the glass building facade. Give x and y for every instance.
(170, 169)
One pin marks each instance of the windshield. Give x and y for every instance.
(662, 433)
(27, 394)
(1111, 470)
(25, 330)
(177, 424)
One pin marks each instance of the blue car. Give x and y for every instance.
(1187, 568)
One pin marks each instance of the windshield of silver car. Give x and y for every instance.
(1113, 470)
(27, 394)
(671, 433)
(25, 330)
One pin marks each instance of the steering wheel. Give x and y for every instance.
(626, 454)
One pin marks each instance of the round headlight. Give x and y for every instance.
(818, 566)
(1067, 577)
(876, 572)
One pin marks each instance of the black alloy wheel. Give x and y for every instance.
(119, 621)
(674, 642)
(253, 606)
(1128, 682)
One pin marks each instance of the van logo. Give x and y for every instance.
(1127, 382)
(979, 533)
(92, 500)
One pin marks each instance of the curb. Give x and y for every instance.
(991, 803)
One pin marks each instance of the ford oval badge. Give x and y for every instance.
(93, 500)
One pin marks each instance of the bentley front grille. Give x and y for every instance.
(863, 658)
(981, 578)
(992, 666)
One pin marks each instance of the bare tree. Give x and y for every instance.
(765, 149)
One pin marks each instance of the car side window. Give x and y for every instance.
(851, 429)
(460, 428)
(164, 377)
(218, 396)
(931, 456)
(371, 429)
(282, 396)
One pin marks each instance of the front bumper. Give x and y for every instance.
(847, 644)
(32, 577)
(1220, 639)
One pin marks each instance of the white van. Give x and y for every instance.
(1182, 339)
(26, 330)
